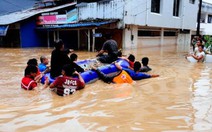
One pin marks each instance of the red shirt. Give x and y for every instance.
(131, 64)
(28, 83)
(65, 85)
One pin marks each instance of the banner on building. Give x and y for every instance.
(55, 19)
(52, 19)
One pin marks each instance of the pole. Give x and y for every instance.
(93, 45)
(198, 18)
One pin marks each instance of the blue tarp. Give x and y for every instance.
(3, 30)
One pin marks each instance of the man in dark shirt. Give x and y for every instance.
(59, 58)
(110, 46)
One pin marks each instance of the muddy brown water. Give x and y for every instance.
(179, 100)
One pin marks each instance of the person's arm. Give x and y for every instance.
(118, 66)
(78, 68)
(38, 78)
(47, 70)
(46, 84)
(154, 75)
(124, 58)
(197, 57)
(52, 85)
(100, 52)
(80, 79)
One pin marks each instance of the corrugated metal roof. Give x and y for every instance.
(21, 15)
(9, 6)
(81, 24)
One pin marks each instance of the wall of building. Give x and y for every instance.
(101, 10)
(183, 42)
(130, 37)
(28, 35)
(139, 13)
(206, 24)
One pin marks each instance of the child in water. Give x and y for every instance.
(130, 59)
(145, 67)
(43, 65)
(73, 58)
(29, 81)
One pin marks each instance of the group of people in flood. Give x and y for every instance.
(66, 73)
(198, 53)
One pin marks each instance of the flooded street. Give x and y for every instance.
(179, 100)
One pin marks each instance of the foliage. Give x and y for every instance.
(208, 43)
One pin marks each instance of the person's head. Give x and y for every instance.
(137, 66)
(31, 70)
(44, 60)
(68, 70)
(145, 61)
(59, 45)
(200, 48)
(32, 62)
(131, 57)
(199, 42)
(73, 57)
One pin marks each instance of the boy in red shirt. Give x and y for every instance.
(66, 84)
(29, 81)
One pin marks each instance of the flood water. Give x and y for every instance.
(179, 100)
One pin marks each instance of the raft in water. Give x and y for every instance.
(90, 76)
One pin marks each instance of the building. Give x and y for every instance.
(146, 22)
(19, 25)
(81, 24)
(206, 18)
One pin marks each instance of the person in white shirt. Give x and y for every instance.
(200, 55)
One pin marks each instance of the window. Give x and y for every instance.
(170, 33)
(155, 6)
(143, 33)
(176, 8)
(192, 1)
(209, 18)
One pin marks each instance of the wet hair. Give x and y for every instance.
(30, 69)
(32, 62)
(69, 69)
(58, 44)
(73, 57)
(131, 57)
(42, 59)
(137, 66)
(145, 61)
